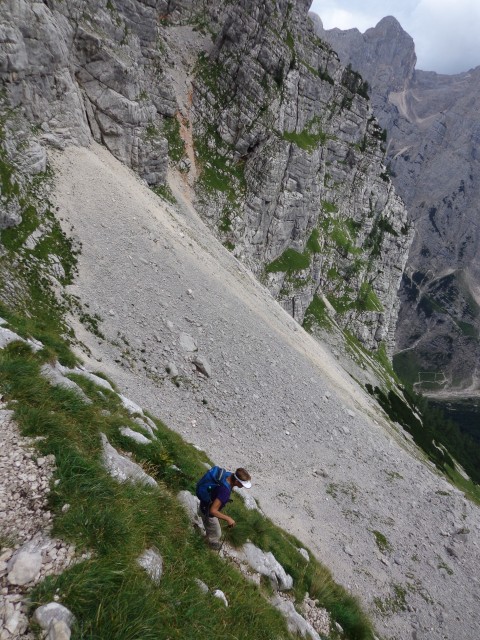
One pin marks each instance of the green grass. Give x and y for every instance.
(313, 244)
(289, 262)
(437, 436)
(164, 191)
(316, 315)
(382, 542)
(309, 138)
(109, 589)
(176, 146)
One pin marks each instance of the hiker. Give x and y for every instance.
(213, 491)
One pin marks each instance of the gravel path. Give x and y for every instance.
(326, 466)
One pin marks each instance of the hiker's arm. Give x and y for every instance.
(216, 513)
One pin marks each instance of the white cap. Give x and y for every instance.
(246, 484)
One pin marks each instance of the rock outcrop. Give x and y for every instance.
(287, 156)
(432, 151)
(292, 174)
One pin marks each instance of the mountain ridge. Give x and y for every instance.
(431, 150)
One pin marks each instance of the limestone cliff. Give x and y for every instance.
(288, 158)
(432, 152)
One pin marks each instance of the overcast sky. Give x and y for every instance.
(446, 32)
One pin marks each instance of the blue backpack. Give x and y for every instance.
(215, 477)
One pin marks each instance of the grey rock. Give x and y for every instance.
(134, 435)
(248, 499)
(152, 562)
(221, 596)
(55, 375)
(51, 612)
(187, 343)
(295, 622)
(59, 630)
(432, 125)
(292, 192)
(201, 585)
(266, 564)
(24, 567)
(7, 336)
(172, 369)
(191, 504)
(121, 467)
(101, 382)
(304, 553)
(130, 406)
(203, 365)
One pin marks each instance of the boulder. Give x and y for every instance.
(134, 435)
(121, 467)
(24, 567)
(191, 503)
(51, 612)
(295, 622)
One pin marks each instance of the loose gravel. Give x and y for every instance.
(326, 465)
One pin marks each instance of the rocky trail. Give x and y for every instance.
(188, 334)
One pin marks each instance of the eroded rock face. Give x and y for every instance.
(433, 136)
(288, 156)
(292, 169)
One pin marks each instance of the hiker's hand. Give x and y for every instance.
(231, 522)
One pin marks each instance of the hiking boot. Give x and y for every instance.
(215, 545)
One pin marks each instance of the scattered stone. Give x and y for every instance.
(348, 550)
(201, 585)
(55, 375)
(152, 562)
(264, 563)
(24, 567)
(248, 499)
(221, 596)
(191, 504)
(317, 616)
(45, 615)
(203, 365)
(187, 343)
(172, 369)
(304, 553)
(121, 468)
(134, 435)
(59, 630)
(295, 622)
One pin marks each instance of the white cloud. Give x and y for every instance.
(446, 34)
(445, 31)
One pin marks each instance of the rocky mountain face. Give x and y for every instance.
(277, 138)
(432, 153)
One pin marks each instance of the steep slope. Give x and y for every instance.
(327, 465)
(287, 157)
(432, 127)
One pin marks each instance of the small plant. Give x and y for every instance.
(176, 146)
(395, 603)
(289, 262)
(382, 542)
(164, 191)
(444, 565)
(309, 138)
